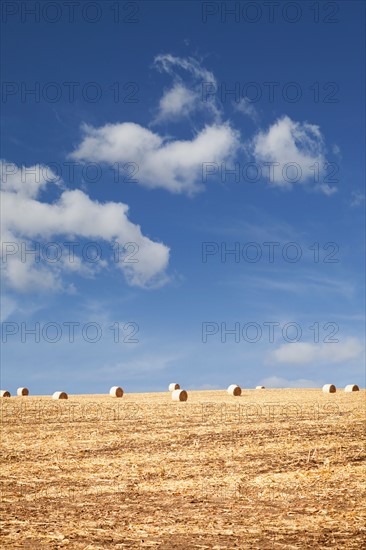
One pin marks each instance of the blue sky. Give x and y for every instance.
(188, 132)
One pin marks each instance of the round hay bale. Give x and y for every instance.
(234, 389)
(173, 387)
(116, 391)
(22, 391)
(60, 395)
(4, 393)
(351, 387)
(329, 388)
(260, 388)
(179, 395)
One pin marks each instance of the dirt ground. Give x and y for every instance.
(271, 469)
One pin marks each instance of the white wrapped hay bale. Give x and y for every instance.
(234, 389)
(260, 388)
(173, 387)
(329, 388)
(22, 391)
(60, 395)
(351, 387)
(116, 391)
(179, 395)
(4, 393)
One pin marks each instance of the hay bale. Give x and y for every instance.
(173, 387)
(234, 389)
(351, 387)
(22, 391)
(260, 388)
(116, 391)
(329, 388)
(4, 393)
(60, 395)
(179, 395)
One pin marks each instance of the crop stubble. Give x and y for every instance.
(266, 470)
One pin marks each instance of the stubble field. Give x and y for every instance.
(271, 469)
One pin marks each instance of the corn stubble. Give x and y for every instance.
(274, 469)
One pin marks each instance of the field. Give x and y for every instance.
(268, 470)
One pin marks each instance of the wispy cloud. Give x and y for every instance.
(305, 353)
(302, 284)
(357, 198)
(185, 96)
(246, 107)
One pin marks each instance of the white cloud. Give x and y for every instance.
(172, 165)
(326, 189)
(301, 353)
(28, 276)
(181, 100)
(26, 181)
(299, 150)
(169, 63)
(26, 219)
(176, 102)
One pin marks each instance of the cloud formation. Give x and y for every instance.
(186, 94)
(296, 152)
(73, 215)
(289, 151)
(174, 165)
(303, 353)
(246, 107)
(176, 102)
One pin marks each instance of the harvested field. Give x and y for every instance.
(266, 470)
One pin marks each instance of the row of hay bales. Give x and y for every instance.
(330, 388)
(20, 391)
(115, 391)
(235, 390)
(181, 395)
(177, 393)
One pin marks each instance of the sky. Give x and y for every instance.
(183, 195)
